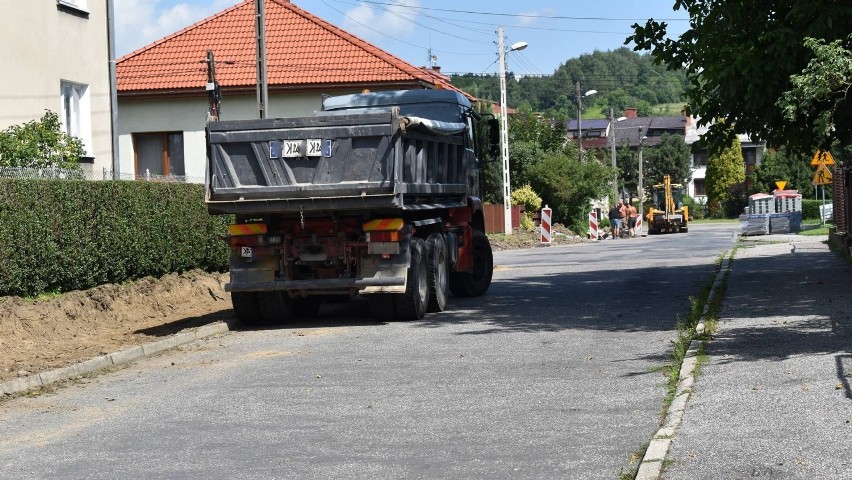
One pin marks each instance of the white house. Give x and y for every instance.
(752, 155)
(55, 56)
(162, 95)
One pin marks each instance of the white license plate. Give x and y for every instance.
(291, 148)
(245, 252)
(311, 147)
(314, 147)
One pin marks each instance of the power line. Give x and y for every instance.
(524, 15)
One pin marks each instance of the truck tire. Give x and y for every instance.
(275, 307)
(246, 307)
(412, 304)
(436, 252)
(475, 283)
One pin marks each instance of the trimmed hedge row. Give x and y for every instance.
(810, 207)
(63, 235)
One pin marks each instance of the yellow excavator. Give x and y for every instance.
(667, 212)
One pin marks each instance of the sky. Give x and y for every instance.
(461, 36)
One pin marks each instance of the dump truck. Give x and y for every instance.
(375, 196)
(667, 212)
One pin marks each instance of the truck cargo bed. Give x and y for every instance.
(344, 161)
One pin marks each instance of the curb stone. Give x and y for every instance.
(131, 354)
(651, 466)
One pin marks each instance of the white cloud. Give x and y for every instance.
(140, 22)
(531, 20)
(365, 21)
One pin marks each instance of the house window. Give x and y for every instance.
(159, 154)
(593, 133)
(77, 4)
(698, 184)
(699, 159)
(75, 113)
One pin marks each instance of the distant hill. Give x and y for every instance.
(622, 77)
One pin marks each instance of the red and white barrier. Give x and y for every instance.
(545, 225)
(593, 226)
(638, 228)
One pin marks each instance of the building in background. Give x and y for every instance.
(597, 134)
(55, 56)
(162, 96)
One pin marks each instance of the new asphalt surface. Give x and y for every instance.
(773, 399)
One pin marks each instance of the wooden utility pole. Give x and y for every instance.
(214, 94)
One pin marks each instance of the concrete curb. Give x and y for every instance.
(651, 467)
(38, 380)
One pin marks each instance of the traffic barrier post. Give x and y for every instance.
(545, 225)
(593, 226)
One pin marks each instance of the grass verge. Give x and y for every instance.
(686, 333)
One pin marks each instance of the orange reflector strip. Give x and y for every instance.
(384, 225)
(247, 229)
(375, 236)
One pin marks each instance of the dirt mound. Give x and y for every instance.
(560, 235)
(38, 335)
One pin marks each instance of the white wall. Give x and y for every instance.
(189, 115)
(43, 44)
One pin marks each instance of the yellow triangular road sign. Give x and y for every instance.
(822, 175)
(780, 184)
(822, 157)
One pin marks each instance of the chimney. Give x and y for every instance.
(436, 68)
(630, 112)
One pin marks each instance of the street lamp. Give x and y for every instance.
(612, 122)
(641, 187)
(504, 128)
(580, 115)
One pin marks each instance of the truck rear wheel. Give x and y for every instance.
(475, 283)
(436, 249)
(246, 307)
(275, 307)
(412, 304)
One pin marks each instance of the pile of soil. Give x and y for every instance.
(40, 335)
(560, 235)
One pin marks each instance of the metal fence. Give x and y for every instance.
(81, 174)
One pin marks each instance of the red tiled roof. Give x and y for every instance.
(303, 51)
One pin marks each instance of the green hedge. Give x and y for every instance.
(62, 235)
(810, 208)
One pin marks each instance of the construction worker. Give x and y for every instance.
(632, 216)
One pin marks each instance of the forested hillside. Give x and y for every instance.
(623, 78)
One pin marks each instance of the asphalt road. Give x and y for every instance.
(553, 374)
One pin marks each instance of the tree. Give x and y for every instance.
(725, 178)
(40, 144)
(781, 164)
(821, 91)
(670, 157)
(568, 186)
(740, 59)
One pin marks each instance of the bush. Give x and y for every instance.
(810, 208)
(40, 144)
(62, 235)
(527, 197)
(696, 209)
